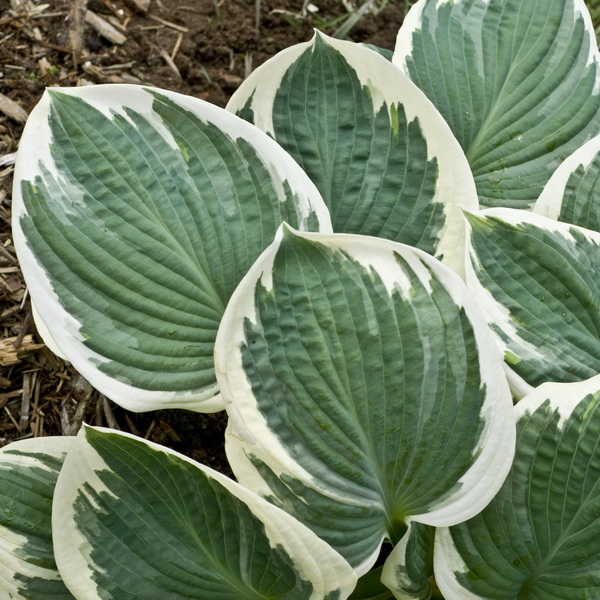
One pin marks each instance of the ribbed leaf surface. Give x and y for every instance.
(516, 80)
(538, 538)
(137, 212)
(135, 520)
(28, 473)
(539, 282)
(408, 568)
(382, 156)
(363, 388)
(572, 194)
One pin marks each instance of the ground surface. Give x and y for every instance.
(204, 48)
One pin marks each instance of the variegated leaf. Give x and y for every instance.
(136, 213)
(517, 81)
(132, 519)
(409, 568)
(383, 158)
(364, 389)
(538, 538)
(28, 473)
(538, 280)
(572, 194)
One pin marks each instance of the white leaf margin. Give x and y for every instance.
(413, 23)
(316, 560)
(249, 433)
(387, 84)
(19, 454)
(563, 398)
(498, 315)
(549, 203)
(395, 581)
(58, 328)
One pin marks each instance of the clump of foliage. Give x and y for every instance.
(386, 271)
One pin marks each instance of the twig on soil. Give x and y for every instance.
(76, 17)
(165, 56)
(36, 416)
(176, 47)
(28, 387)
(71, 423)
(131, 425)
(4, 398)
(169, 24)
(108, 413)
(24, 328)
(104, 28)
(247, 64)
(10, 416)
(150, 429)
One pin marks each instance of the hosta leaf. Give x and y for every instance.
(383, 158)
(538, 538)
(408, 568)
(363, 389)
(135, 520)
(370, 587)
(516, 80)
(28, 473)
(572, 194)
(136, 213)
(538, 281)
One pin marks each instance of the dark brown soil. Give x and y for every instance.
(204, 48)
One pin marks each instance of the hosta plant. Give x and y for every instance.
(367, 262)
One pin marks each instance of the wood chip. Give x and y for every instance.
(8, 159)
(104, 28)
(71, 420)
(9, 355)
(28, 387)
(77, 12)
(139, 5)
(12, 109)
(4, 398)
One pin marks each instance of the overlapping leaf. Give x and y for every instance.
(370, 587)
(28, 473)
(363, 388)
(383, 158)
(136, 213)
(516, 80)
(134, 520)
(538, 538)
(539, 282)
(573, 192)
(409, 567)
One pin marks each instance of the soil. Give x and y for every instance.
(204, 48)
